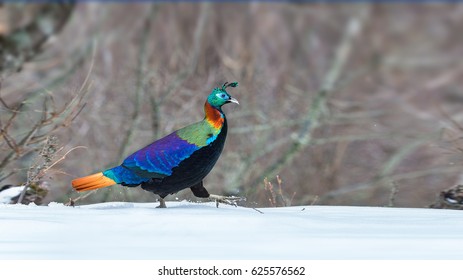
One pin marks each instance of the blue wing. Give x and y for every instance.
(153, 161)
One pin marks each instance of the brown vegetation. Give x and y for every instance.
(350, 104)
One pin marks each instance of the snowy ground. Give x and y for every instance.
(201, 231)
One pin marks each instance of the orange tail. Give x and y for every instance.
(92, 182)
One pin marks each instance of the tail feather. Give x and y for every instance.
(92, 182)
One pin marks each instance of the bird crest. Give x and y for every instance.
(227, 84)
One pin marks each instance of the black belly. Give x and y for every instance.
(191, 171)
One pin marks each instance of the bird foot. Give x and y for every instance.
(162, 203)
(230, 200)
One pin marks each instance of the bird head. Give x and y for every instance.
(219, 96)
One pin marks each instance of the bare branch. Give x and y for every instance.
(24, 43)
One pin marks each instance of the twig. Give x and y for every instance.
(257, 210)
(315, 199)
(393, 194)
(63, 157)
(72, 201)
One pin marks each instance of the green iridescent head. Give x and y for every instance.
(219, 96)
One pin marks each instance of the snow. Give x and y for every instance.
(8, 194)
(185, 230)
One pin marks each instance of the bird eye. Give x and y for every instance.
(222, 95)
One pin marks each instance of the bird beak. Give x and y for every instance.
(233, 100)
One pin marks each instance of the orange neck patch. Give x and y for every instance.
(213, 116)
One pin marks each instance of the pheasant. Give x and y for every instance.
(177, 161)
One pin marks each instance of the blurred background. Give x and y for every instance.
(340, 104)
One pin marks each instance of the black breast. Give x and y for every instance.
(190, 171)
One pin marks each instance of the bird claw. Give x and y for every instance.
(230, 200)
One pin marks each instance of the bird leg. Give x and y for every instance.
(162, 203)
(230, 200)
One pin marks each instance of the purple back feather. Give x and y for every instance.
(161, 156)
